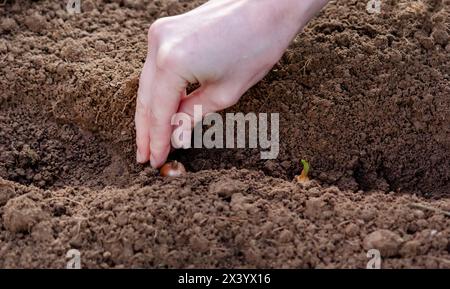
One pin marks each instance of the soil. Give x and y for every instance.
(364, 97)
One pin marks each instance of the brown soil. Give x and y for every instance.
(365, 98)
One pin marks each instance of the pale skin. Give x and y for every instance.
(226, 46)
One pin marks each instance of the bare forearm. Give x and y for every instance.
(226, 46)
(283, 18)
(297, 13)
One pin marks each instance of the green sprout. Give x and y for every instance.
(304, 175)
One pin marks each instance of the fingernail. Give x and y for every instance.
(140, 158)
(153, 162)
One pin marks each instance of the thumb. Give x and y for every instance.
(211, 98)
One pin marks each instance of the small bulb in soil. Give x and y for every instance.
(172, 169)
(303, 177)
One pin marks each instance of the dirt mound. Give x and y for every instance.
(21, 214)
(362, 98)
(358, 94)
(189, 222)
(365, 98)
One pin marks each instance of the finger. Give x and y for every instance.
(183, 94)
(142, 114)
(165, 99)
(212, 98)
(207, 99)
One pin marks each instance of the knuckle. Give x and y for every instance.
(158, 146)
(140, 140)
(170, 55)
(222, 100)
(145, 112)
(142, 108)
(168, 46)
(157, 30)
(228, 95)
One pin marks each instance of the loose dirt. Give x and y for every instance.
(364, 97)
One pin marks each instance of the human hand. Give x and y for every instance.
(224, 45)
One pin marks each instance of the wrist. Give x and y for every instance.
(310, 8)
(299, 12)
